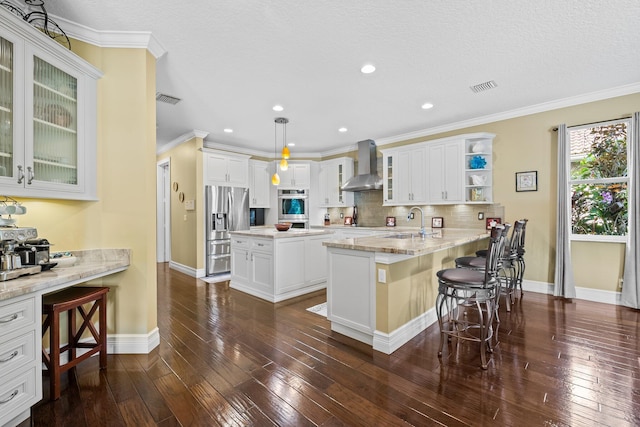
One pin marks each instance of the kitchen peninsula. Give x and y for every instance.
(21, 324)
(381, 290)
(278, 265)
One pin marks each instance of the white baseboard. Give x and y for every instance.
(133, 343)
(388, 343)
(587, 294)
(189, 271)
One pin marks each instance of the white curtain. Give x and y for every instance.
(631, 287)
(564, 282)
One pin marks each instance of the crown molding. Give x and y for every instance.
(519, 112)
(181, 139)
(114, 39)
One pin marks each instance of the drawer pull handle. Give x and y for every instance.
(8, 399)
(14, 354)
(260, 244)
(13, 317)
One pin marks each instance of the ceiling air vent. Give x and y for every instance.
(167, 98)
(484, 86)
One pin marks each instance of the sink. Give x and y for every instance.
(404, 236)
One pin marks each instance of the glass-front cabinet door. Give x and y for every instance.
(48, 106)
(55, 124)
(7, 107)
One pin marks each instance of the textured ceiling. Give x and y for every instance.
(230, 61)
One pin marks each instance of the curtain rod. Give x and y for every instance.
(593, 123)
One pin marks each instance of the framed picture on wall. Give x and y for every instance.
(348, 220)
(492, 222)
(391, 221)
(527, 181)
(437, 222)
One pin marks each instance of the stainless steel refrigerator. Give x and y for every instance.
(227, 209)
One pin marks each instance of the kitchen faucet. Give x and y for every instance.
(423, 232)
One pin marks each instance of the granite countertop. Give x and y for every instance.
(442, 239)
(272, 233)
(89, 265)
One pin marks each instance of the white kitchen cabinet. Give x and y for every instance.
(20, 358)
(297, 176)
(226, 169)
(446, 172)
(332, 176)
(259, 184)
(478, 185)
(47, 116)
(276, 269)
(404, 176)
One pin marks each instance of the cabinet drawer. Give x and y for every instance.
(17, 352)
(240, 243)
(16, 315)
(18, 394)
(262, 245)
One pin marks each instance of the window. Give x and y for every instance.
(598, 181)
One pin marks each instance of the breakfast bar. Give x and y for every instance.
(381, 290)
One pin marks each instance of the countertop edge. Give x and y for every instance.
(91, 264)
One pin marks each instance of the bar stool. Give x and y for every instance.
(70, 300)
(466, 299)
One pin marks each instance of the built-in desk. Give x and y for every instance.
(382, 291)
(21, 324)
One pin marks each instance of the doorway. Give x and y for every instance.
(163, 211)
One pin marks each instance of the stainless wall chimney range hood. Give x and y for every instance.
(367, 178)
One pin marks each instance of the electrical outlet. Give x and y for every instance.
(411, 215)
(185, 217)
(620, 284)
(382, 275)
(480, 216)
(341, 215)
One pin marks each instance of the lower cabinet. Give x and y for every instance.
(20, 358)
(279, 269)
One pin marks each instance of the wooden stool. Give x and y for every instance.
(69, 300)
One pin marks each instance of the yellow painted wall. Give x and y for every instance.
(184, 171)
(125, 215)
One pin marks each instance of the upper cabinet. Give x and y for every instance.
(333, 174)
(47, 116)
(297, 176)
(446, 172)
(226, 169)
(404, 175)
(259, 184)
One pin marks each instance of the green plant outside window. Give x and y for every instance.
(599, 197)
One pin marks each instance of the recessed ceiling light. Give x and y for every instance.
(427, 105)
(291, 144)
(278, 108)
(368, 68)
(342, 129)
(227, 130)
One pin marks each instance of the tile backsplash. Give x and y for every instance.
(371, 213)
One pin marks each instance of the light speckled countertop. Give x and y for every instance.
(272, 233)
(445, 238)
(90, 264)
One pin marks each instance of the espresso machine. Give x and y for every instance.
(20, 251)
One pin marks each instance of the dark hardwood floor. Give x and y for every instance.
(226, 358)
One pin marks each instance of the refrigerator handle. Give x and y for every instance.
(230, 218)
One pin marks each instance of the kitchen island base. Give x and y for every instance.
(383, 294)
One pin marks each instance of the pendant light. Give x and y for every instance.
(284, 164)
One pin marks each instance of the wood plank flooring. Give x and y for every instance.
(228, 359)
